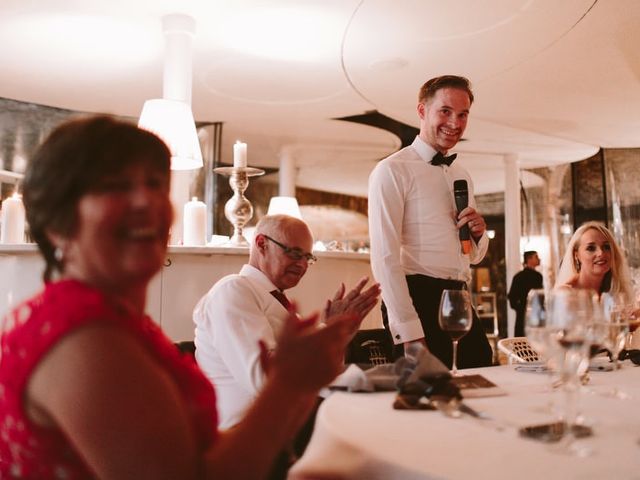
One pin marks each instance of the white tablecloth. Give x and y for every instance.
(360, 436)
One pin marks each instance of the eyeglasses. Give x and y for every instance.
(294, 253)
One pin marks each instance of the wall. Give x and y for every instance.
(187, 275)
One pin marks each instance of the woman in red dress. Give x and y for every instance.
(89, 385)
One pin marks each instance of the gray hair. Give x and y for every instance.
(272, 225)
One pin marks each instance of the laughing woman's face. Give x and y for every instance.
(594, 253)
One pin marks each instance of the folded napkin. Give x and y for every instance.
(422, 377)
(534, 367)
(376, 379)
(418, 377)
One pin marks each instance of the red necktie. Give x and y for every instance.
(282, 298)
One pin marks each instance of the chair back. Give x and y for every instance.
(518, 350)
(372, 346)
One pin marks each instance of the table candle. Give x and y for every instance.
(194, 223)
(239, 154)
(12, 220)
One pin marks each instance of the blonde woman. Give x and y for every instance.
(594, 260)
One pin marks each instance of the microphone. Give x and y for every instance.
(461, 195)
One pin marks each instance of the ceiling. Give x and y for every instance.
(554, 80)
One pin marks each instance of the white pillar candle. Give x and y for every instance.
(195, 222)
(239, 154)
(12, 220)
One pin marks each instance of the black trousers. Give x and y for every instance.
(519, 331)
(473, 349)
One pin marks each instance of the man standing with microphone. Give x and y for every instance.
(424, 229)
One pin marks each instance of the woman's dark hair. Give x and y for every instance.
(71, 162)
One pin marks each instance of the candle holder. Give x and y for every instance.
(238, 209)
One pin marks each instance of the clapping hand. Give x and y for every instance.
(356, 302)
(308, 357)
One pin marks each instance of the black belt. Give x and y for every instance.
(443, 283)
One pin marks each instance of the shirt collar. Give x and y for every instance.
(424, 150)
(257, 276)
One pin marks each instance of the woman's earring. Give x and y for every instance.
(58, 254)
(578, 265)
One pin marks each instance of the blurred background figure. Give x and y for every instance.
(524, 281)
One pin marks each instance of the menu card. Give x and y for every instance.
(473, 386)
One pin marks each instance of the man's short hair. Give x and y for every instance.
(528, 254)
(273, 225)
(429, 89)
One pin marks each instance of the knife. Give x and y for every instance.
(454, 408)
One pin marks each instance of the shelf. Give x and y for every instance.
(486, 308)
(10, 177)
(485, 304)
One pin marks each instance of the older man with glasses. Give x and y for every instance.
(242, 310)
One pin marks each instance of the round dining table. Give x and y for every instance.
(361, 435)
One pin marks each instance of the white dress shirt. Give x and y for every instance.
(412, 226)
(230, 319)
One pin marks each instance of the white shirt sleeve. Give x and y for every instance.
(235, 322)
(386, 216)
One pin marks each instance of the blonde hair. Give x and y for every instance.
(618, 277)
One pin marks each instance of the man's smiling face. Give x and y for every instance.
(443, 118)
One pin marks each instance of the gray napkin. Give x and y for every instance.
(415, 367)
(422, 377)
(355, 379)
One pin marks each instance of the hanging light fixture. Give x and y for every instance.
(170, 117)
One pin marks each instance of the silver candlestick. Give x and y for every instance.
(238, 208)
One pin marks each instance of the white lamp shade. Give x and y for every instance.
(284, 206)
(173, 122)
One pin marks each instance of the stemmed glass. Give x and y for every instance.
(541, 336)
(634, 323)
(570, 318)
(455, 317)
(535, 323)
(615, 325)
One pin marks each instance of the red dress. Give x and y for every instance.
(30, 331)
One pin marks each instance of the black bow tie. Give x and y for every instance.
(440, 159)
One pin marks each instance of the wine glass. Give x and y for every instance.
(455, 317)
(634, 323)
(615, 325)
(634, 320)
(540, 335)
(570, 318)
(535, 322)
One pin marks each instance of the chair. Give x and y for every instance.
(518, 350)
(370, 346)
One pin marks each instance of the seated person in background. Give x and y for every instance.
(593, 260)
(89, 385)
(243, 309)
